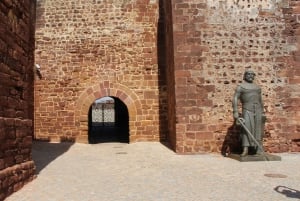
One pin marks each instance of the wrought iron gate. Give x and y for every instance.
(103, 113)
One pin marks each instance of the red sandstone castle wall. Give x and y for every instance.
(291, 94)
(91, 49)
(213, 43)
(16, 94)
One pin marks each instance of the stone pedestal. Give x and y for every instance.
(260, 157)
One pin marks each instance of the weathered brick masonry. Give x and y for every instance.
(91, 49)
(16, 94)
(175, 65)
(290, 94)
(214, 41)
(177, 61)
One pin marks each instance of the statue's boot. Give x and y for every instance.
(245, 151)
(258, 151)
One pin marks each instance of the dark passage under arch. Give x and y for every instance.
(108, 121)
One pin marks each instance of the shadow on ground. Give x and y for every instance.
(43, 153)
(288, 192)
(231, 143)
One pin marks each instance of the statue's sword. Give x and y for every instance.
(241, 121)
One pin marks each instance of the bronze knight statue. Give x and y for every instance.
(252, 119)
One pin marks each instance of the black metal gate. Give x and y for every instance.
(108, 121)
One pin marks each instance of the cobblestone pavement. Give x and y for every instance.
(152, 172)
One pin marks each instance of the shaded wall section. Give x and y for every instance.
(214, 42)
(167, 32)
(16, 94)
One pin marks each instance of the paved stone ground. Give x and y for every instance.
(152, 172)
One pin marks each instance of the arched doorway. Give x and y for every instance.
(108, 121)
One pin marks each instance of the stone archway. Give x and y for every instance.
(90, 94)
(108, 121)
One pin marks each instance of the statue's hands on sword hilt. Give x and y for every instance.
(238, 118)
(241, 120)
(236, 115)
